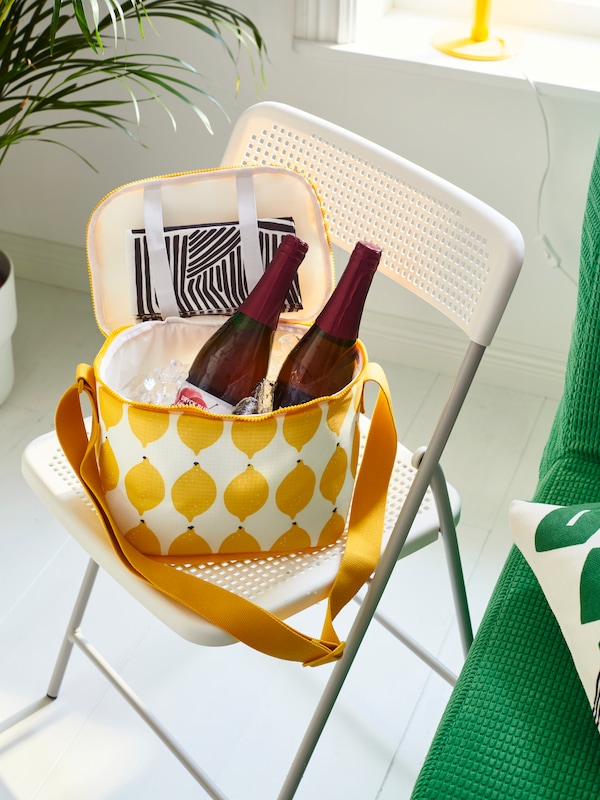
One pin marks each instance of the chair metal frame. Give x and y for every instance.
(445, 246)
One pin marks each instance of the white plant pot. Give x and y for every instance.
(8, 323)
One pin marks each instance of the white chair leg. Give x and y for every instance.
(415, 647)
(153, 722)
(365, 614)
(74, 623)
(427, 465)
(73, 636)
(448, 532)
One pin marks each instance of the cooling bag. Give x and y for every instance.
(175, 484)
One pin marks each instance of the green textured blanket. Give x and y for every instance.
(518, 723)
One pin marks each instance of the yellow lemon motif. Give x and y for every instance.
(336, 413)
(298, 429)
(143, 539)
(250, 437)
(294, 539)
(296, 490)
(334, 474)
(239, 542)
(193, 492)
(355, 451)
(144, 486)
(247, 493)
(111, 408)
(189, 543)
(198, 433)
(108, 466)
(333, 529)
(148, 426)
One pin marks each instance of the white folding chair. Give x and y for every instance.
(441, 244)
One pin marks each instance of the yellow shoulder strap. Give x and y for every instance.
(241, 618)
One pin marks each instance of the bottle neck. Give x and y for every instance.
(264, 302)
(342, 314)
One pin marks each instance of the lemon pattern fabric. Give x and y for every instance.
(180, 483)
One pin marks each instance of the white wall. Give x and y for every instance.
(488, 140)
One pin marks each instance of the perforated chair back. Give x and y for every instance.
(447, 247)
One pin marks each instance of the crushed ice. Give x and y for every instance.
(159, 386)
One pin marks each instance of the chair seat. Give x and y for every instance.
(283, 584)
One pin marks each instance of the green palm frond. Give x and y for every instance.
(71, 58)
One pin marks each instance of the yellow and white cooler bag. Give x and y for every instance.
(169, 259)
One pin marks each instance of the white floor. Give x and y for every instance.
(240, 712)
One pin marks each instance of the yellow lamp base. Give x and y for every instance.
(454, 42)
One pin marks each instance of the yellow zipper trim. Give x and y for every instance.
(247, 419)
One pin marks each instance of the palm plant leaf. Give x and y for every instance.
(54, 57)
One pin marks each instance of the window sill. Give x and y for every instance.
(560, 66)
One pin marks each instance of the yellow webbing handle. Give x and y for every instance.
(241, 618)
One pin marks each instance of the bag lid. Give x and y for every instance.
(193, 244)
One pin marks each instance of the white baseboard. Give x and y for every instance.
(389, 338)
(440, 348)
(58, 264)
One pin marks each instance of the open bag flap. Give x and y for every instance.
(202, 198)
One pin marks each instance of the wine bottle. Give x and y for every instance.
(235, 358)
(324, 360)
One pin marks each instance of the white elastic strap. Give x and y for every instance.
(249, 229)
(160, 272)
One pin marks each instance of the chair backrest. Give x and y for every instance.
(452, 250)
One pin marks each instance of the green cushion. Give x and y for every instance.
(518, 723)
